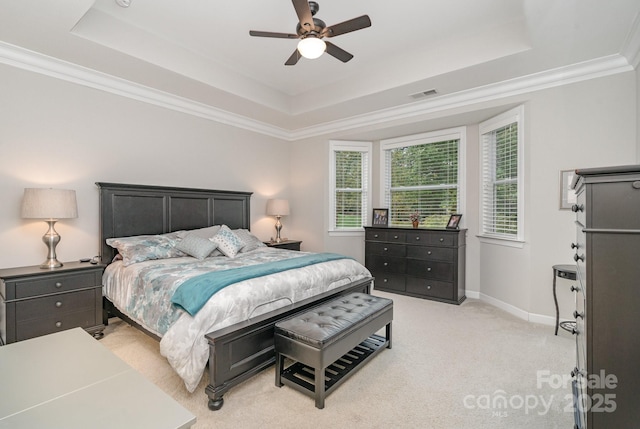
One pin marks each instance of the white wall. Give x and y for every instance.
(54, 133)
(59, 134)
(580, 125)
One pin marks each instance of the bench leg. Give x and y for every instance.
(388, 334)
(319, 387)
(279, 368)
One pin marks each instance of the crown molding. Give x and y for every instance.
(32, 61)
(35, 62)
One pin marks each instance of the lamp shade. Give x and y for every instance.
(48, 203)
(311, 47)
(278, 207)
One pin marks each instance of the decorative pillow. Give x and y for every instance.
(251, 242)
(227, 241)
(141, 248)
(196, 246)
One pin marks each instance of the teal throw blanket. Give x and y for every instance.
(193, 294)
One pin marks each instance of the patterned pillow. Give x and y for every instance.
(141, 248)
(251, 242)
(227, 241)
(196, 246)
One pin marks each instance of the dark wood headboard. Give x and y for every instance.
(127, 210)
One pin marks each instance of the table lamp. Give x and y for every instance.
(278, 208)
(49, 205)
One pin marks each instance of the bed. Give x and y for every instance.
(240, 344)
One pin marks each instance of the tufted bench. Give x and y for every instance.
(330, 342)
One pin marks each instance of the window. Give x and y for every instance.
(501, 214)
(350, 178)
(423, 173)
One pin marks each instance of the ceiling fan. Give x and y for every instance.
(312, 30)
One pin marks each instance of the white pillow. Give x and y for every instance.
(196, 246)
(250, 241)
(228, 243)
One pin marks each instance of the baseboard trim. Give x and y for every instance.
(512, 309)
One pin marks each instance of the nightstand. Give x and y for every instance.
(286, 244)
(35, 301)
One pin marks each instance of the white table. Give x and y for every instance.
(69, 380)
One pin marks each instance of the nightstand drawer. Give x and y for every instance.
(56, 323)
(57, 305)
(54, 284)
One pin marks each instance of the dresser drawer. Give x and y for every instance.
(389, 249)
(55, 323)
(57, 305)
(386, 281)
(431, 238)
(382, 235)
(386, 264)
(54, 284)
(430, 288)
(430, 269)
(431, 253)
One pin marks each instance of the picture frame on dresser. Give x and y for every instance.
(454, 221)
(380, 217)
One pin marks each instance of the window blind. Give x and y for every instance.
(422, 178)
(351, 185)
(500, 181)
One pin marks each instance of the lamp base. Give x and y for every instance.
(50, 264)
(51, 239)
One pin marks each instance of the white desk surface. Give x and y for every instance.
(69, 380)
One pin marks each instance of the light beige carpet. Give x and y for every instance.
(467, 366)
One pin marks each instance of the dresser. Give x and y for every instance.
(35, 301)
(425, 263)
(606, 378)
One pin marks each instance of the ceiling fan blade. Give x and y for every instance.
(303, 10)
(270, 34)
(293, 59)
(347, 26)
(338, 53)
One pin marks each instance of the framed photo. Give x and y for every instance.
(380, 217)
(454, 221)
(567, 195)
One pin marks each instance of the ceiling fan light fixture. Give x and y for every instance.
(311, 47)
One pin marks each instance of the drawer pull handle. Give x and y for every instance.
(385, 249)
(385, 280)
(576, 372)
(428, 287)
(441, 239)
(577, 208)
(428, 269)
(575, 245)
(375, 235)
(58, 285)
(574, 289)
(395, 237)
(58, 304)
(417, 238)
(576, 314)
(385, 264)
(429, 252)
(577, 257)
(636, 184)
(574, 331)
(58, 324)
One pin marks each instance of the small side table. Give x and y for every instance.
(285, 244)
(566, 272)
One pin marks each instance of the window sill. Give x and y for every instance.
(519, 244)
(353, 233)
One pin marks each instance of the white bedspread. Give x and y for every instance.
(146, 298)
